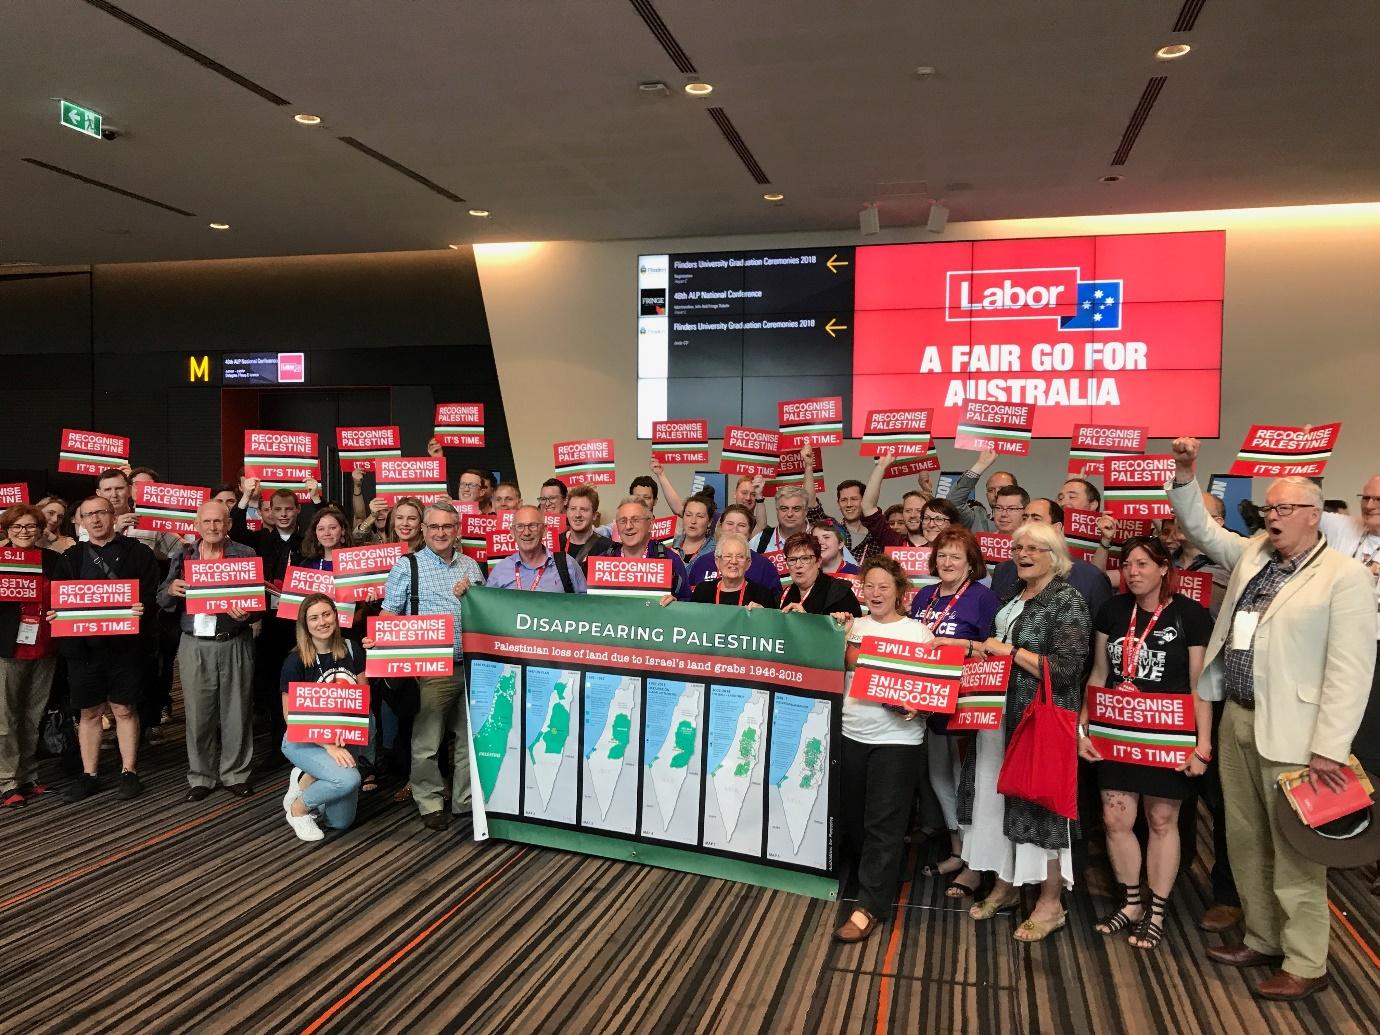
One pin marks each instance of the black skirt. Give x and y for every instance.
(1144, 779)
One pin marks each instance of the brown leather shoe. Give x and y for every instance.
(1286, 987)
(438, 820)
(851, 932)
(1242, 956)
(1220, 918)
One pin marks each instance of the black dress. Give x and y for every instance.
(749, 593)
(826, 596)
(1161, 668)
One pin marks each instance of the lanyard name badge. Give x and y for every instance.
(742, 592)
(931, 621)
(1131, 647)
(28, 632)
(536, 578)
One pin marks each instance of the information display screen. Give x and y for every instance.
(1117, 329)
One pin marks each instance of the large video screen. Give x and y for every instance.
(1120, 329)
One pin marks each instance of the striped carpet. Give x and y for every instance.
(158, 915)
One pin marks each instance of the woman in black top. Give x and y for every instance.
(731, 556)
(811, 591)
(1149, 640)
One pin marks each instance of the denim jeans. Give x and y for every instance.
(334, 792)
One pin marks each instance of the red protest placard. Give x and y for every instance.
(918, 676)
(630, 576)
(902, 468)
(13, 493)
(1080, 532)
(1196, 585)
(1277, 451)
(750, 451)
(91, 452)
(20, 571)
(1141, 729)
(421, 476)
(229, 584)
(100, 607)
(664, 528)
(1124, 529)
(855, 584)
(998, 426)
(282, 460)
(791, 471)
(981, 695)
(555, 523)
(1135, 487)
(164, 507)
(501, 543)
(995, 546)
(300, 583)
(359, 572)
(463, 507)
(460, 425)
(328, 713)
(475, 529)
(900, 432)
(1093, 444)
(680, 441)
(916, 562)
(584, 461)
(778, 561)
(361, 447)
(814, 422)
(410, 645)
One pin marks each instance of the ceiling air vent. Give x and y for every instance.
(1138, 117)
(107, 186)
(735, 141)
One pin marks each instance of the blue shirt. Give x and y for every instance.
(513, 573)
(435, 586)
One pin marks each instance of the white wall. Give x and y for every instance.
(1301, 341)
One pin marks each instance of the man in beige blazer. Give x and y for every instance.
(1292, 653)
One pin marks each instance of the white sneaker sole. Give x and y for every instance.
(294, 791)
(305, 828)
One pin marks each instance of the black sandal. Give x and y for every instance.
(1119, 921)
(957, 889)
(933, 870)
(1149, 931)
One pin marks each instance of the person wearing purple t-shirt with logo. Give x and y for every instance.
(961, 610)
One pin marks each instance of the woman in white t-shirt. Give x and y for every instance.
(880, 755)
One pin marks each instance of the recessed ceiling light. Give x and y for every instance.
(480, 213)
(219, 226)
(455, 247)
(307, 119)
(1174, 50)
(773, 197)
(699, 89)
(1111, 179)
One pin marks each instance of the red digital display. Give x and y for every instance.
(1120, 330)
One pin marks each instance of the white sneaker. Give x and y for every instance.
(294, 790)
(305, 827)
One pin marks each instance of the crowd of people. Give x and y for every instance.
(1279, 669)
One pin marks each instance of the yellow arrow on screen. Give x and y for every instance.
(831, 327)
(835, 262)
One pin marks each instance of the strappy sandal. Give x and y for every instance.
(937, 870)
(957, 889)
(990, 906)
(1150, 930)
(1119, 921)
(403, 793)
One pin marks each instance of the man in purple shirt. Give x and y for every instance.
(533, 567)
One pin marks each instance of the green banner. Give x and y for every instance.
(694, 736)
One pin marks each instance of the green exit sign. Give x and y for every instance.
(83, 120)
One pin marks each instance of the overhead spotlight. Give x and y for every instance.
(1174, 50)
(307, 119)
(869, 221)
(455, 247)
(939, 218)
(699, 89)
(480, 213)
(1110, 179)
(219, 226)
(773, 197)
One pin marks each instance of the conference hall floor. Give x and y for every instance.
(157, 915)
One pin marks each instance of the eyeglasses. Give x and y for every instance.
(528, 526)
(26, 527)
(448, 527)
(549, 499)
(935, 519)
(801, 558)
(636, 520)
(1368, 499)
(1284, 509)
(1026, 548)
(1007, 510)
(96, 513)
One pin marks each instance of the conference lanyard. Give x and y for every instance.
(926, 618)
(1131, 647)
(517, 574)
(718, 593)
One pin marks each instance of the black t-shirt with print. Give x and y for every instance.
(1162, 666)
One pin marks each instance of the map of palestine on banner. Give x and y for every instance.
(693, 737)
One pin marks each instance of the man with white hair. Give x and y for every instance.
(1292, 651)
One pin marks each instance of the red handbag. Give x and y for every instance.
(1041, 764)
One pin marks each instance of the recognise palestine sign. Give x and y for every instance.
(694, 737)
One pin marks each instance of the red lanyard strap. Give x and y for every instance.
(929, 620)
(1131, 647)
(718, 593)
(517, 574)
